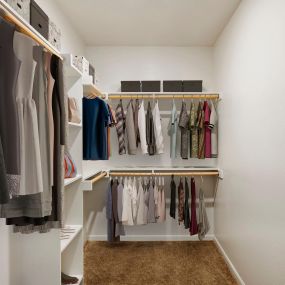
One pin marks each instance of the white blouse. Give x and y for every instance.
(157, 129)
(142, 129)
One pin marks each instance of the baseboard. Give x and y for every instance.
(151, 238)
(229, 263)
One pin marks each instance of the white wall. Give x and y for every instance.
(113, 64)
(250, 69)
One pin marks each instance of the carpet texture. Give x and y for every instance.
(155, 263)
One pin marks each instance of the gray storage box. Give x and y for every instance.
(39, 19)
(22, 7)
(172, 86)
(54, 35)
(130, 86)
(192, 86)
(151, 86)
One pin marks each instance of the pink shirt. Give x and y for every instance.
(208, 147)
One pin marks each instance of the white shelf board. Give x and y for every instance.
(68, 181)
(75, 125)
(165, 93)
(80, 279)
(64, 243)
(150, 168)
(70, 69)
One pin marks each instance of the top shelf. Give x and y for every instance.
(23, 26)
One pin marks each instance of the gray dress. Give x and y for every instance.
(9, 121)
(131, 131)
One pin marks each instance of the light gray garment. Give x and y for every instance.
(146, 202)
(172, 131)
(142, 127)
(120, 190)
(203, 224)
(151, 204)
(140, 204)
(130, 128)
(214, 130)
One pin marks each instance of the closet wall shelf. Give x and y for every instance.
(70, 69)
(74, 125)
(163, 95)
(9, 14)
(90, 90)
(68, 181)
(64, 243)
(87, 184)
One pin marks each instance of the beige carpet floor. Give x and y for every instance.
(155, 263)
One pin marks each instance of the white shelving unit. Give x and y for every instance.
(64, 242)
(68, 181)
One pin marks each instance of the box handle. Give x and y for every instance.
(40, 25)
(19, 5)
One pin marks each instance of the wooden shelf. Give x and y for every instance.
(70, 69)
(70, 124)
(23, 26)
(64, 243)
(68, 181)
(91, 89)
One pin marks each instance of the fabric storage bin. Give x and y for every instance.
(192, 86)
(82, 64)
(22, 7)
(172, 86)
(92, 72)
(130, 86)
(39, 19)
(151, 86)
(54, 35)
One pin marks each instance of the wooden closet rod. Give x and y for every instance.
(200, 173)
(7, 13)
(164, 96)
(99, 177)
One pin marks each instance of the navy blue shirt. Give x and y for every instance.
(95, 123)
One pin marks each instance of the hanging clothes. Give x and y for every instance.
(161, 202)
(214, 131)
(134, 197)
(186, 206)
(194, 145)
(127, 215)
(120, 191)
(203, 225)
(150, 136)
(181, 201)
(4, 190)
(136, 121)
(172, 131)
(141, 203)
(201, 131)
(172, 198)
(146, 201)
(157, 129)
(193, 221)
(120, 127)
(142, 128)
(130, 128)
(151, 203)
(155, 195)
(95, 134)
(207, 112)
(184, 125)
(9, 129)
(109, 213)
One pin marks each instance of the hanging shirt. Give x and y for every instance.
(208, 147)
(203, 226)
(193, 221)
(172, 131)
(140, 203)
(161, 202)
(151, 204)
(127, 215)
(130, 127)
(136, 121)
(172, 198)
(134, 197)
(142, 127)
(157, 129)
(193, 132)
(214, 131)
(95, 123)
(181, 197)
(184, 124)
(150, 137)
(186, 206)
(146, 201)
(201, 131)
(120, 127)
(120, 191)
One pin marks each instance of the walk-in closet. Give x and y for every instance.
(141, 142)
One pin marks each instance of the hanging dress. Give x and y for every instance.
(140, 203)
(172, 211)
(186, 206)
(130, 128)
(193, 132)
(184, 125)
(158, 129)
(31, 168)
(207, 112)
(120, 127)
(172, 131)
(203, 226)
(150, 137)
(127, 215)
(9, 120)
(142, 127)
(181, 201)
(201, 131)
(134, 197)
(193, 221)
(161, 202)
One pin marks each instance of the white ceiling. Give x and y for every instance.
(149, 22)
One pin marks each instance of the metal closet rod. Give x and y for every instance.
(7, 14)
(164, 96)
